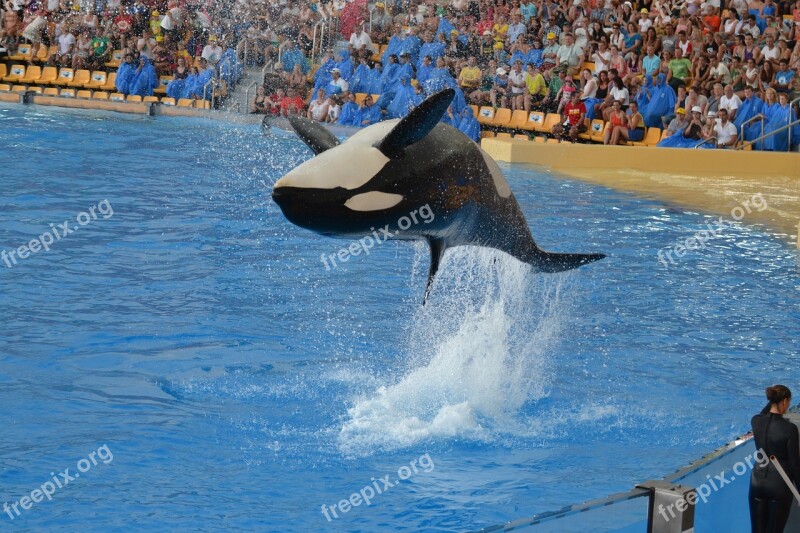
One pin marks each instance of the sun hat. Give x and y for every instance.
(487, 33)
(336, 69)
(551, 35)
(644, 10)
(453, 32)
(501, 71)
(380, 4)
(498, 46)
(712, 114)
(696, 109)
(680, 110)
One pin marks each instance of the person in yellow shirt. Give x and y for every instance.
(536, 88)
(500, 28)
(470, 76)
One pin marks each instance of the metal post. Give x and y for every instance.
(671, 507)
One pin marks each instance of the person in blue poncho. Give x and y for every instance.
(690, 135)
(322, 76)
(375, 80)
(230, 69)
(445, 27)
(405, 68)
(205, 74)
(345, 65)
(349, 114)
(389, 75)
(431, 48)
(662, 102)
(752, 106)
(403, 100)
(439, 78)
(780, 115)
(645, 93)
(468, 125)
(177, 88)
(359, 81)
(144, 79)
(292, 56)
(450, 118)
(369, 113)
(411, 45)
(425, 69)
(395, 44)
(124, 74)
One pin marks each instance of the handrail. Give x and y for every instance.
(243, 44)
(214, 83)
(247, 96)
(741, 130)
(371, 12)
(773, 132)
(321, 25)
(704, 141)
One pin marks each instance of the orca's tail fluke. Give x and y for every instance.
(553, 262)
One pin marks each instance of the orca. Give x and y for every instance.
(393, 168)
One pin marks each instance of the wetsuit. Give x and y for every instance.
(770, 498)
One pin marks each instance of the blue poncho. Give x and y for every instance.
(124, 75)
(375, 81)
(403, 101)
(468, 125)
(369, 115)
(348, 116)
(778, 117)
(143, 80)
(435, 50)
(292, 57)
(750, 107)
(344, 64)
(322, 77)
(230, 69)
(411, 45)
(359, 81)
(423, 73)
(662, 103)
(393, 48)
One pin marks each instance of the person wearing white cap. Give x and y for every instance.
(500, 87)
(337, 83)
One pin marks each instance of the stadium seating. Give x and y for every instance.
(49, 75)
(100, 95)
(81, 78)
(65, 75)
(31, 75)
(98, 80)
(16, 73)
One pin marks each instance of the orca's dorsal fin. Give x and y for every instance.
(316, 136)
(416, 125)
(437, 251)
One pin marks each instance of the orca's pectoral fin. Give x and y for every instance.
(315, 135)
(437, 251)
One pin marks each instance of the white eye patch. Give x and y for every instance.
(373, 201)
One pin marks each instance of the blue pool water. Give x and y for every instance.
(239, 385)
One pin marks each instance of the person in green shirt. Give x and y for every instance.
(556, 82)
(101, 52)
(679, 69)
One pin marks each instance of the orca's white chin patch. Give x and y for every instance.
(373, 201)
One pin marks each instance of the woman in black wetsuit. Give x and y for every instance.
(770, 497)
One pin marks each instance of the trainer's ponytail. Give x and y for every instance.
(778, 393)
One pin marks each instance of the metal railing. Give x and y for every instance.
(215, 84)
(321, 27)
(704, 141)
(741, 130)
(246, 106)
(789, 125)
(243, 44)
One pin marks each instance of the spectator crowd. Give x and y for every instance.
(720, 71)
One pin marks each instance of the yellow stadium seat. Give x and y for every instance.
(534, 121)
(163, 81)
(19, 89)
(31, 75)
(17, 73)
(117, 97)
(100, 95)
(116, 59)
(360, 98)
(35, 89)
(3, 71)
(65, 75)
(153, 99)
(553, 141)
(84, 94)
(82, 77)
(49, 75)
(595, 127)
(68, 93)
(599, 136)
(503, 135)
(185, 102)
(5, 87)
(134, 98)
(501, 118)
(97, 80)
(521, 137)
(538, 139)
(375, 97)
(549, 121)
(474, 110)
(50, 91)
(110, 84)
(42, 54)
(486, 115)
(487, 134)
(518, 119)
(664, 134)
(203, 104)
(651, 137)
(23, 53)
(166, 100)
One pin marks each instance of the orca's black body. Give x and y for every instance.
(393, 168)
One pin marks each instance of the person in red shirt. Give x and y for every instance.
(291, 104)
(573, 116)
(711, 21)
